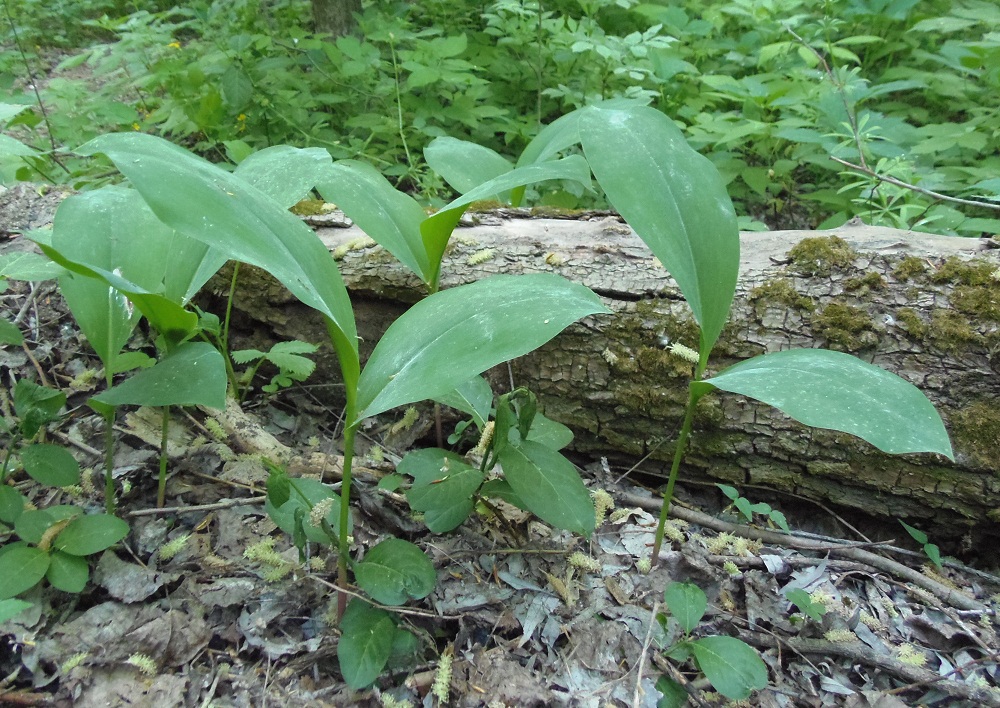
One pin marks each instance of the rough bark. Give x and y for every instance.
(335, 17)
(924, 307)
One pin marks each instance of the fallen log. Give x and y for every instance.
(922, 306)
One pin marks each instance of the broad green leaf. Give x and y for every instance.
(449, 337)
(675, 201)
(304, 494)
(732, 667)
(90, 534)
(465, 165)
(207, 203)
(167, 316)
(11, 608)
(50, 464)
(437, 229)
(285, 173)
(191, 375)
(33, 523)
(443, 485)
(36, 405)
(15, 148)
(380, 210)
(28, 265)
(564, 132)
(918, 535)
(474, 397)
(12, 504)
(687, 603)
(549, 433)
(21, 568)
(279, 489)
(10, 333)
(367, 635)
(9, 110)
(674, 695)
(113, 230)
(501, 489)
(395, 571)
(827, 389)
(67, 573)
(549, 486)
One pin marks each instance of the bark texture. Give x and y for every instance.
(335, 17)
(924, 307)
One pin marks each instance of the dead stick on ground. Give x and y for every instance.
(637, 694)
(942, 592)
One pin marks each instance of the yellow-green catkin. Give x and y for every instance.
(442, 679)
(484, 440)
(171, 548)
(584, 562)
(72, 662)
(144, 663)
(603, 503)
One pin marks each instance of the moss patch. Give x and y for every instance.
(309, 207)
(782, 291)
(821, 255)
(974, 272)
(846, 326)
(486, 205)
(975, 431)
(979, 301)
(555, 212)
(909, 267)
(866, 283)
(912, 322)
(951, 331)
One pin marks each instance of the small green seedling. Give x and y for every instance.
(520, 441)
(805, 604)
(287, 356)
(930, 549)
(748, 509)
(53, 542)
(732, 667)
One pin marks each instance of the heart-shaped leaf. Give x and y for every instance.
(443, 485)
(687, 603)
(395, 571)
(827, 389)
(732, 667)
(90, 534)
(21, 567)
(549, 486)
(367, 636)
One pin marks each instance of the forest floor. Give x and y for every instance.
(225, 626)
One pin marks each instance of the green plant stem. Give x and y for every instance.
(344, 545)
(109, 461)
(6, 458)
(399, 103)
(224, 340)
(161, 491)
(34, 86)
(668, 495)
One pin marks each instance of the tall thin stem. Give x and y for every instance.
(109, 460)
(344, 545)
(675, 467)
(161, 490)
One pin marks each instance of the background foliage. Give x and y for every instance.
(768, 90)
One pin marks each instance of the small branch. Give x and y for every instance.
(228, 503)
(905, 185)
(637, 694)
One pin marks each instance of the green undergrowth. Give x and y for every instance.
(769, 92)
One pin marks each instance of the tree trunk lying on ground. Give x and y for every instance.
(924, 307)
